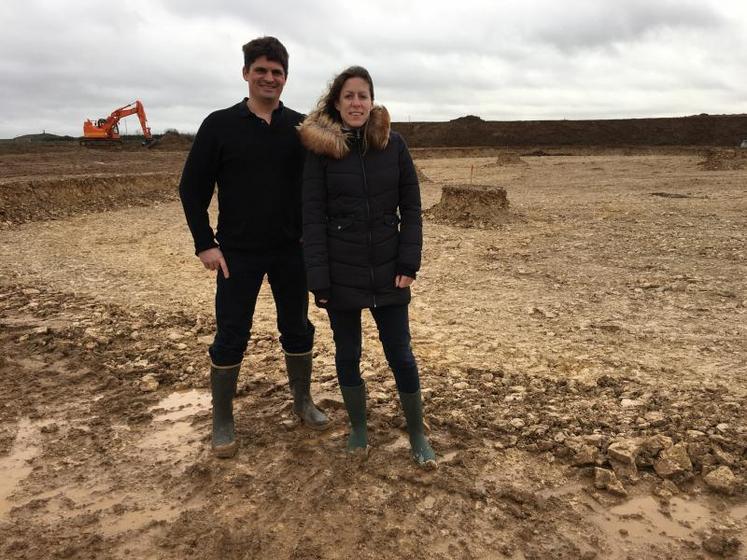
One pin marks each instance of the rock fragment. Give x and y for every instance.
(650, 448)
(722, 545)
(673, 461)
(148, 383)
(721, 480)
(624, 451)
(605, 479)
(586, 455)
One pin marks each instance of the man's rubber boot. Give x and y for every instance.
(422, 452)
(355, 403)
(223, 386)
(299, 379)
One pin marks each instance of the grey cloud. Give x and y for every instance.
(586, 24)
(430, 60)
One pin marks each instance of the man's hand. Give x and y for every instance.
(213, 259)
(402, 281)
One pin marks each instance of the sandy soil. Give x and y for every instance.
(584, 367)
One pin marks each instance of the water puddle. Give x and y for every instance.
(181, 405)
(644, 519)
(140, 519)
(15, 466)
(173, 438)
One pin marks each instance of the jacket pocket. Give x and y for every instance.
(339, 224)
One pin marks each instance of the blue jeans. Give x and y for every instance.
(236, 298)
(394, 333)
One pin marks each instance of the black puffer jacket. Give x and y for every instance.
(361, 212)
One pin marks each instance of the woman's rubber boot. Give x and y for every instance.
(299, 379)
(355, 403)
(223, 386)
(422, 452)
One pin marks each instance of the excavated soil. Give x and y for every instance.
(478, 206)
(583, 368)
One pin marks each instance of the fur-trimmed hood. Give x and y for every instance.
(323, 136)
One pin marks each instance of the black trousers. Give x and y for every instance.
(394, 332)
(236, 298)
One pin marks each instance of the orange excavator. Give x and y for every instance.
(106, 131)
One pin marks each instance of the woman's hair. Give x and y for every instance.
(327, 101)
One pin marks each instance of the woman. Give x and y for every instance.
(362, 242)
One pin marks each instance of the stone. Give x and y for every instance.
(673, 461)
(460, 386)
(630, 403)
(724, 457)
(586, 455)
(148, 383)
(650, 448)
(605, 479)
(594, 439)
(517, 423)
(655, 417)
(624, 451)
(722, 545)
(626, 471)
(695, 434)
(666, 489)
(721, 480)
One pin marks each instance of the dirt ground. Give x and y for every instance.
(584, 369)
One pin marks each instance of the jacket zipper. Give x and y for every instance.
(368, 216)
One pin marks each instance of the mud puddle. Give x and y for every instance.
(15, 466)
(644, 523)
(173, 438)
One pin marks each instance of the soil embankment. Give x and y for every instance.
(699, 130)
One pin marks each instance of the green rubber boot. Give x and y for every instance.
(223, 386)
(299, 379)
(355, 403)
(422, 452)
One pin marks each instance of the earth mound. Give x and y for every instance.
(509, 158)
(24, 201)
(723, 160)
(471, 206)
(174, 141)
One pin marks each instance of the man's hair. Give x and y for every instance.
(265, 46)
(327, 102)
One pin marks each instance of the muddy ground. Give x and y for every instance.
(583, 362)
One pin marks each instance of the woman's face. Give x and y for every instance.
(354, 103)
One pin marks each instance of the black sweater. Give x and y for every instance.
(258, 169)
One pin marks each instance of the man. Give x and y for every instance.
(253, 152)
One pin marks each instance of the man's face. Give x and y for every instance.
(266, 79)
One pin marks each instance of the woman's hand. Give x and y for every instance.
(402, 281)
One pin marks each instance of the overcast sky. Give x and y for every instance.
(64, 61)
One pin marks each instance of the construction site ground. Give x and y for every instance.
(604, 313)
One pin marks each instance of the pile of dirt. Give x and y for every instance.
(479, 206)
(24, 201)
(174, 141)
(509, 158)
(697, 130)
(723, 160)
